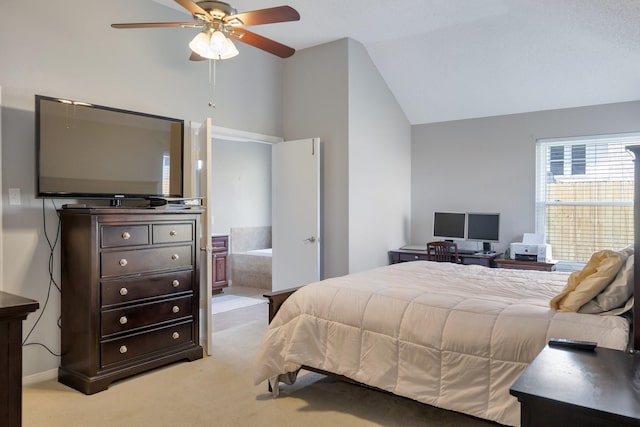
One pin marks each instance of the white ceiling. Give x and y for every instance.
(456, 59)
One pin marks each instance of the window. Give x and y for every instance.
(578, 159)
(166, 169)
(584, 194)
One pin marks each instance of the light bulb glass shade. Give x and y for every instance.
(231, 50)
(200, 44)
(218, 43)
(213, 45)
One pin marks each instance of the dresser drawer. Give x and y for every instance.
(120, 263)
(171, 233)
(123, 235)
(139, 288)
(413, 257)
(141, 315)
(141, 344)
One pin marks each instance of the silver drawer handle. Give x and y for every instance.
(175, 335)
(173, 233)
(123, 262)
(123, 349)
(123, 320)
(174, 257)
(124, 291)
(126, 235)
(175, 309)
(175, 283)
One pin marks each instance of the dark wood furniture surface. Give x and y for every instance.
(405, 255)
(130, 293)
(276, 299)
(13, 310)
(220, 263)
(524, 265)
(442, 251)
(565, 387)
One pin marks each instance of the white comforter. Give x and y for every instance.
(453, 336)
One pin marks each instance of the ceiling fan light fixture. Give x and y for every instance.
(213, 45)
(230, 51)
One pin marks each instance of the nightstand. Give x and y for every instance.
(566, 387)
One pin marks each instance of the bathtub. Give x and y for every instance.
(260, 252)
(252, 268)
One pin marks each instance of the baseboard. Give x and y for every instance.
(51, 374)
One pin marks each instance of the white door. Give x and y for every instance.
(203, 154)
(296, 213)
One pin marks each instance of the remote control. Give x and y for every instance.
(575, 344)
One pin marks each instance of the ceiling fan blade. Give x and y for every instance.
(195, 57)
(266, 16)
(261, 42)
(155, 25)
(194, 8)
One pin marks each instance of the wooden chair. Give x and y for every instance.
(442, 251)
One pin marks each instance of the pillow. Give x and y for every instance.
(584, 285)
(620, 310)
(617, 293)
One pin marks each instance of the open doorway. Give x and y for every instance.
(241, 184)
(242, 193)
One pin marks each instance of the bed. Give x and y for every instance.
(449, 335)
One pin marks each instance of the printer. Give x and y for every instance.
(532, 248)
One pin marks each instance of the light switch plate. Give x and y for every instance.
(14, 196)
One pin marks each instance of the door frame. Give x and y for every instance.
(229, 134)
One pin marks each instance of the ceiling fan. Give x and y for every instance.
(220, 23)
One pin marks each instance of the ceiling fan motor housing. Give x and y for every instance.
(217, 9)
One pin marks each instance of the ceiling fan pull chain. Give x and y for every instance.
(212, 84)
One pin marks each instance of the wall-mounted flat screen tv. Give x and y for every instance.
(91, 151)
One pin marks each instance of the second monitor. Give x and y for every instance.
(483, 227)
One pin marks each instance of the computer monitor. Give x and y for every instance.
(449, 225)
(484, 227)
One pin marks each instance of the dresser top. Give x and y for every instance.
(12, 306)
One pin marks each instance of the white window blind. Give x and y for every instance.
(584, 194)
(166, 168)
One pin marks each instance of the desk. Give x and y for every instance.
(525, 265)
(564, 387)
(13, 310)
(405, 255)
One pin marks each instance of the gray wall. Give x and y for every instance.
(334, 92)
(488, 164)
(67, 49)
(379, 166)
(241, 185)
(315, 104)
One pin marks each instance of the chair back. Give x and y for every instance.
(442, 251)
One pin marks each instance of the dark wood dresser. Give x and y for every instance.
(130, 289)
(566, 387)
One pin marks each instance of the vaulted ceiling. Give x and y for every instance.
(456, 59)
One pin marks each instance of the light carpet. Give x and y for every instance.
(226, 303)
(218, 391)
